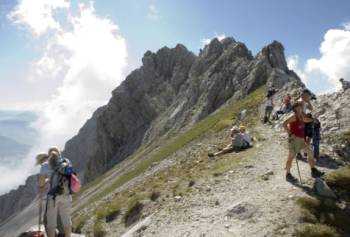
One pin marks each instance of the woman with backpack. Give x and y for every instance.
(59, 199)
(295, 127)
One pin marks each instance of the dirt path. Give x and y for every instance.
(254, 200)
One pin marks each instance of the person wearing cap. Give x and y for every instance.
(246, 136)
(237, 143)
(345, 84)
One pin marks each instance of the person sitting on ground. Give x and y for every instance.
(246, 136)
(268, 108)
(345, 84)
(59, 199)
(285, 108)
(316, 138)
(237, 143)
(295, 127)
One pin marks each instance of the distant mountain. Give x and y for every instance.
(16, 125)
(11, 148)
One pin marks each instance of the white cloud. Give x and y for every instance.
(38, 14)
(153, 12)
(293, 64)
(206, 41)
(89, 58)
(334, 60)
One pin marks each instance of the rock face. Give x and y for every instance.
(172, 90)
(333, 112)
(18, 199)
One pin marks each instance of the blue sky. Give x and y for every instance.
(299, 25)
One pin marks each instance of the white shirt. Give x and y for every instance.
(246, 137)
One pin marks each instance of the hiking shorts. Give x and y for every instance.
(268, 109)
(62, 206)
(296, 144)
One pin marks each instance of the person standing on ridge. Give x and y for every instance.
(294, 126)
(345, 84)
(59, 198)
(268, 107)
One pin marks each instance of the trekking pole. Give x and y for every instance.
(40, 212)
(296, 160)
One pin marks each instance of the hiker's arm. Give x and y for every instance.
(42, 183)
(308, 120)
(286, 122)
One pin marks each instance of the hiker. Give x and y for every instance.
(237, 143)
(268, 107)
(295, 127)
(285, 108)
(306, 96)
(246, 136)
(345, 84)
(59, 199)
(316, 138)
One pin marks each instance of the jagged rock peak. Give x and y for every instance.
(274, 52)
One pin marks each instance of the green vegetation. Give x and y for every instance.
(317, 230)
(98, 229)
(133, 213)
(79, 223)
(339, 179)
(324, 211)
(154, 196)
(176, 180)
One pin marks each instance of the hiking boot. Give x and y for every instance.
(315, 173)
(290, 178)
(211, 155)
(300, 157)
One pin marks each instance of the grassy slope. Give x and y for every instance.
(188, 171)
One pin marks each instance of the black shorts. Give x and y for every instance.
(308, 130)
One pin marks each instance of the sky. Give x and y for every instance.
(63, 58)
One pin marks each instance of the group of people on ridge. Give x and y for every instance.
(301, 127)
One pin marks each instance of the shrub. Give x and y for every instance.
(98, 229)
(79, 224)
(133, 214)
(191, 183)
(316, 230)
(154, 196)
(339, 179)
(112, 215)
(324, 211)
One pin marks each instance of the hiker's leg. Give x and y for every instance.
(310, 156)
(289, 161)
(316, 144)
(51, 232)
(224, 151)
(51, 216)
(65, 214)
(67, 231)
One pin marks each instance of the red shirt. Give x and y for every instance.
(297, 127)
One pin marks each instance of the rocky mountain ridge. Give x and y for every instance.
(170, 92)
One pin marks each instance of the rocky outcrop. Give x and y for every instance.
(172, 90)
(18, 199)
(333, 112)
